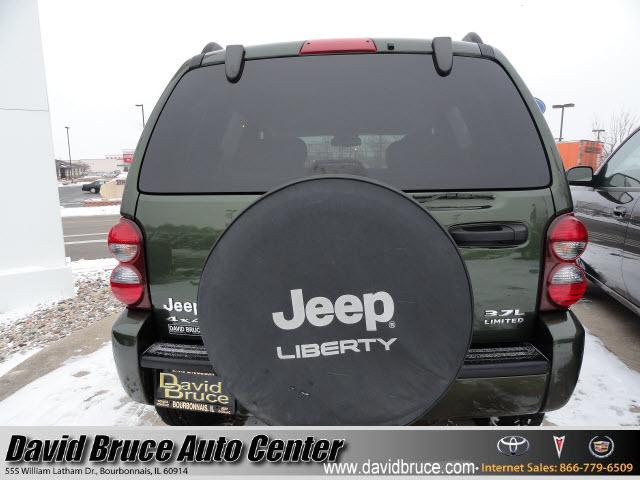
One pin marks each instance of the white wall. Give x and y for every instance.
(32, 261)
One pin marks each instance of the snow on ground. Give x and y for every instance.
(36, 326)
(18, 313)
(89, 269)
(607, 393)
(84, 391)
(16, 359)
(64, 185)
(89, 211)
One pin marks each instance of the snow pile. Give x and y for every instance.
(84, 391)
(89, 211)
(64, 185)
(607, 393)
(93, 269)
(98, 201)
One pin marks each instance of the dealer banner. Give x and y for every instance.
(77, 453)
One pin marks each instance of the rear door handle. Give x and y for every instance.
(489, 234)
(619, 211)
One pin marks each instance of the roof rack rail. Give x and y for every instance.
(442, 55)
(211, 47)
(234, 62)
(472, 37)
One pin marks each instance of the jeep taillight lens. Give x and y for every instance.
(128, 279)
(123, 241)
(126, 284)
(566, 285)
(565, 282)
(568, 238)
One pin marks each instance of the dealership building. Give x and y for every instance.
(33, 268)
(66, 170)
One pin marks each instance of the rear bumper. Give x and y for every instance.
(130, 336)
(497, 361)
(560, 338)
(515, 379)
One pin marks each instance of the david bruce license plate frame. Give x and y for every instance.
(192, 391)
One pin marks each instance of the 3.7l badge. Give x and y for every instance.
(503, 317)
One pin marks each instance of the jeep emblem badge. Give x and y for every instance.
(349, 309)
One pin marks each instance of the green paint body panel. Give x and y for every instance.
(180, 230)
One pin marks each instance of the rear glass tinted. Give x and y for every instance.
(388, 117)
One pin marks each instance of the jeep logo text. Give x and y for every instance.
(349, 309)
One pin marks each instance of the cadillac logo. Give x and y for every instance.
(513, 445)
(601, 446)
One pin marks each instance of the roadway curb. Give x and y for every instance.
(79, 343)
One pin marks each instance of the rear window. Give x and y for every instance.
(387, 117)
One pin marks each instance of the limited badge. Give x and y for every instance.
(512, 316)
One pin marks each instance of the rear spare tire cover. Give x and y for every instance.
(336, 301)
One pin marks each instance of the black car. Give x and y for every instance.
(93, 187)
(607, 202)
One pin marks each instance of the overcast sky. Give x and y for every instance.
(104, 56)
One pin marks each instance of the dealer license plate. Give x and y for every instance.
(193, 391)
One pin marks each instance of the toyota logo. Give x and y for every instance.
(513, 445)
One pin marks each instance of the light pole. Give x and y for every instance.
(141, 105)
(563, 106)
(69, 148)
(598, 131)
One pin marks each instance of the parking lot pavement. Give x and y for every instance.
(86, 237)
(614, 324)
(73, 196)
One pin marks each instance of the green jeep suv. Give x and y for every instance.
(348, 232)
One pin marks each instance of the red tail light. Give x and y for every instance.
(128, 280)
(568, 238)
(564, 281)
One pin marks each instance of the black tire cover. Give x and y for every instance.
(329, 237)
